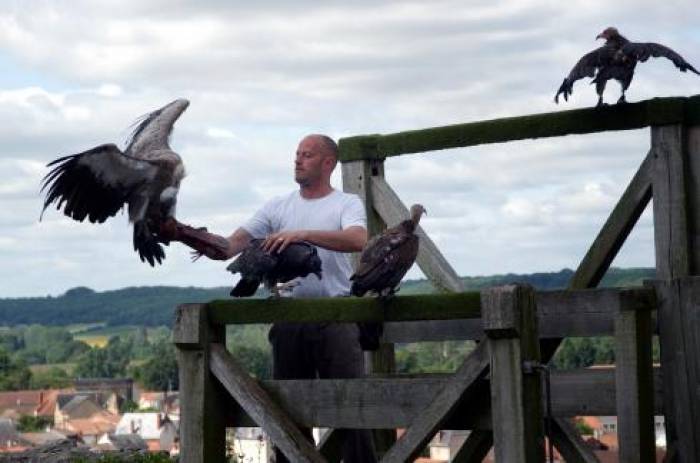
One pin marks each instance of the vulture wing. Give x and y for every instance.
(642, 51)
(587, 66)
(253, 264)
(95, 183)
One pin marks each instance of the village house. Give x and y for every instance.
(155, 428)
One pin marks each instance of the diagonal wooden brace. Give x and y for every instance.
(263, 410)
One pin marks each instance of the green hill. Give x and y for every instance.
(154, 306)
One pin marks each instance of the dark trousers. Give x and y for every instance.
(322, 350)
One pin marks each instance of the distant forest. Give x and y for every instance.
(154, 306)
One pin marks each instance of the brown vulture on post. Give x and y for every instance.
(616, 60)
(387, 257)
(97, 183)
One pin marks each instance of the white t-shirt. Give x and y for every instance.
(335, 211)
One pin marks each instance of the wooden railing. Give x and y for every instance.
(491, 393)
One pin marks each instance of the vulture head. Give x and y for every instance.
(608, 34)
(416, 211)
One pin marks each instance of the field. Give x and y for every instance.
(97, 334)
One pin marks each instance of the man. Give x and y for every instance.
(336, 223)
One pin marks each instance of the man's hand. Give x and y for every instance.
(278, 242)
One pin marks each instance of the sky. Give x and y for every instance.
(261, 75)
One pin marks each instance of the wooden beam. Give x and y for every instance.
(266, 413)
(426, 424)
(357, 179)
(634, 386)
(345, 309)
(389, 403)
(679, 322)
(673, 253)
(569, 443)
(430, 259)
(670, 203)
(202, 427)
(616, 229)
(475, 448)
(509, 316)
(657, 111)
(582, 306)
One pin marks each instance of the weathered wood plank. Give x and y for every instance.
(671, 242)
(345, 309)
(266, 413)
(634, 386)
(430, 259)
(657, 111)
(510, 322)
(585, 304)
(391, 403)
(616, 229)
(568, 441)
(426, 424)
(190, 326)
(670, 202)
(202, 427)
(678, 322)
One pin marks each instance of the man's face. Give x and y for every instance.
(310, 163)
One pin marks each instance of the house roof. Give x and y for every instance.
(24, 402)
(102, 423)
(41, 438)
(128, 442)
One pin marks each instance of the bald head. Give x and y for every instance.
(316, 158)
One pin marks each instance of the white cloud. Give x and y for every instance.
(262, 75)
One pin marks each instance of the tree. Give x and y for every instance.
(54, 378)
(160, 372)
(14, 374)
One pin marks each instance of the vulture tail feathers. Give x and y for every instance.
(245, 287)
(146, 244)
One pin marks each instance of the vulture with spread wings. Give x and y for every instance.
(97, 183)
(387, 257)
(617, 60)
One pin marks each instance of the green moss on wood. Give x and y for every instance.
(657, 111)
(346, 309)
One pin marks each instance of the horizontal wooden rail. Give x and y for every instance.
(385, 403)
(657, 111)
(560, 311)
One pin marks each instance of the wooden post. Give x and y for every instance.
(357, 178)
(202, 400)
(676, 186)
(510, 322)
(679, 322)
(634, 385)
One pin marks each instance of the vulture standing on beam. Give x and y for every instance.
(256, 265)
(97, 183)
(616, 60)
(387, 257)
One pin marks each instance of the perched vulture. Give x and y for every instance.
(616, 60)
(97, 183)
(256, 266)
(387, 257)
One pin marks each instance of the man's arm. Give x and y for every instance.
(351, 239)
(237, 242)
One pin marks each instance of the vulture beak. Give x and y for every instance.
(600, 36)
